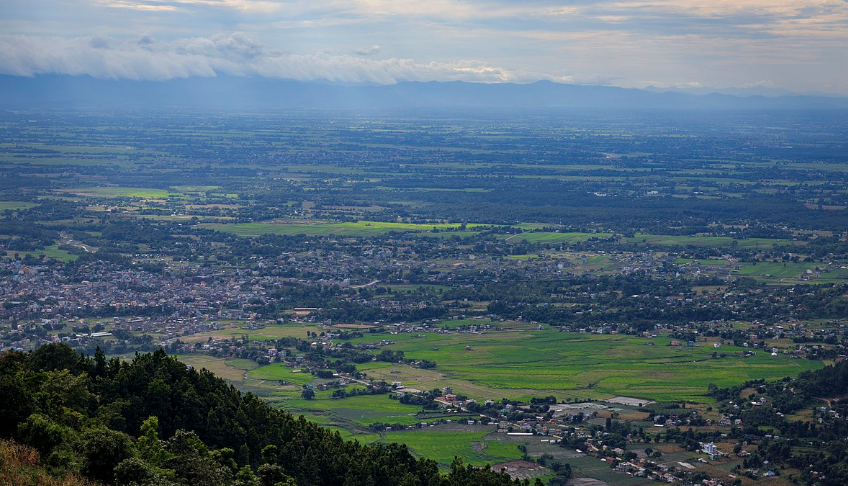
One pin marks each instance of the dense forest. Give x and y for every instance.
(156, 421)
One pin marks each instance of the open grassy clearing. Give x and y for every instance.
(279, 372)
(230, 370)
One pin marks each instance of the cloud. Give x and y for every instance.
(172, 5)
(367, 51)
(718, 42)
(146, 58)
(144, 7)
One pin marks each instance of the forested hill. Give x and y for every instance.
(257, 93)
(155, 421)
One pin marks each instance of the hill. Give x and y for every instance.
(155, 421)
(232, 93)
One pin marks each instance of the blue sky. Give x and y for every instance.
(799, 45)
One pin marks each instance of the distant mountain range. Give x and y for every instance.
(227, 92)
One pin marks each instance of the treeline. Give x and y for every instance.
(155, 421)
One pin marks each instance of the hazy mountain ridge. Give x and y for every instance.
(255, 93)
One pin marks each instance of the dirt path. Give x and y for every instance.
(67, 240)
(369, 284)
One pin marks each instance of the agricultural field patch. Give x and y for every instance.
(50, 251)
(473, 447)
(511, 363)
(15, 205)
(705, 241)
(117, 191)
(361, 228)
(269, 332)
(279, 372)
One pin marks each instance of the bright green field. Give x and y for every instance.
(521, 363)
(786, 270)
(360, 228)
(443, 446)
(119, 191)
(357, 412)
(51, 251)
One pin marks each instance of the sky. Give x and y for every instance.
(796, 45)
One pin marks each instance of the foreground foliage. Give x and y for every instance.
(20, 465)
(156, 421)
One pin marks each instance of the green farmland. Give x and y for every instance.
(360, 228)
(706, 241)
(51, 251)
(521, 363)
(442, 447)
(118, 191)
(15, 205)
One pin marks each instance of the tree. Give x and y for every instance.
(102, 450)
(136, 472)
(149, 446)
(193, 461)
(273, 475)
(41, 433)
(54, 357)
(269, 454)
(16, 403)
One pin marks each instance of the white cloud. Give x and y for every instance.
(715, 42)
(368, 51)
(145, 58)
(258, 6)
